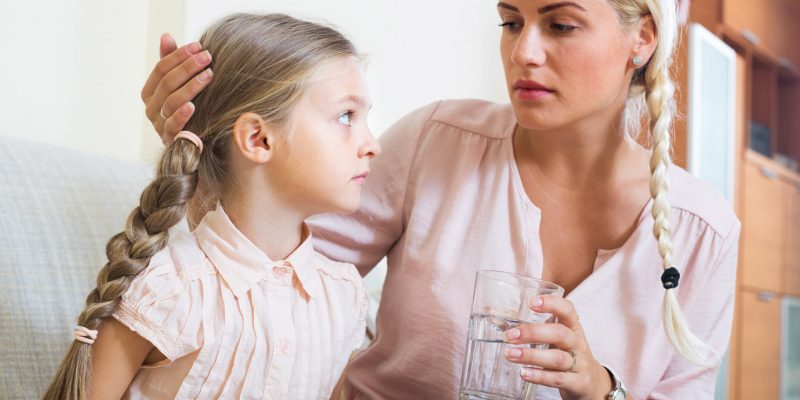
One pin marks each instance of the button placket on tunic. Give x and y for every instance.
(279, 292)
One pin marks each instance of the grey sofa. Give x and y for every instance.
(58, 208)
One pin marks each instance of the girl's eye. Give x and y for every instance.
(561, 28)
(344, 119)
(510, 26)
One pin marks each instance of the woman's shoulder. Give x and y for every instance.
(697, 198)
(467, 116)
(481, 117)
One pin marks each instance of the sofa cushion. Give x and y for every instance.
(58, 208)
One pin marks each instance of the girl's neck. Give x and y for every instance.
(275, 228)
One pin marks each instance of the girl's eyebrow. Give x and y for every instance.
(358, 100)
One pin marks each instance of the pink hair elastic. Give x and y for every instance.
(190, 137)
(84, 335)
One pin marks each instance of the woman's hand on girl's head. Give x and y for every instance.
(568, 364)
(177, 78)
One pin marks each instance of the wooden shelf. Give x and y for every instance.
(759, 160)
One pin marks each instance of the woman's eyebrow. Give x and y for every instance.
(507, 6)
(547, 8)
(551, 7)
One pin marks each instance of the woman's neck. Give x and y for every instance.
(580, 159)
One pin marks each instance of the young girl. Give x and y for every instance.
(243, 306)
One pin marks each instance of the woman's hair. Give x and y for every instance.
(651, 96)
(262, 64)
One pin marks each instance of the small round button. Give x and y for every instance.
(285, 346)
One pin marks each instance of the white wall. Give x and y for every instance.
(71, 73)
(418, 51)
(72, 69)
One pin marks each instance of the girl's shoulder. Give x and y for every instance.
(163, 303)
(170, 271)
(182, 257)
(337, 270)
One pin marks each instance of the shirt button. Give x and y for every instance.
(285, 346)
(283, 274)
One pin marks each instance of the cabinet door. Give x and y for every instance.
(760, 351)
(750, 15)
(792, 261)
(763, 229)
(773, 22)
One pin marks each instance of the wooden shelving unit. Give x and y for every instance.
(766, 37)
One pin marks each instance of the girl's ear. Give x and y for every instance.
(254, 138)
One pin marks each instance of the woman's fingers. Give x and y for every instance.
(186, 93)
(166, 64)
(166, 45)
(567, 381)
(559, 307)
(174, 80)
(551, 359)
(176, 122)
(556, 335)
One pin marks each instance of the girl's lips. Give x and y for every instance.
(360, 178)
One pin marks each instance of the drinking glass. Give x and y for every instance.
(501, 301)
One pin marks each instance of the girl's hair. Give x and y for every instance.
(262, 64)
(651, 96)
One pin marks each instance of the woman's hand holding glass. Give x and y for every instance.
(568, 364)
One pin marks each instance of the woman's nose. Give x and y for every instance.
(529, 49)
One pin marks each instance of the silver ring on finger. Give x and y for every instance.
(574, 360)
(161, 113)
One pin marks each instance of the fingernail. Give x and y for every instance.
(512, 334)
(513, 353)
(202, 58)
(537, 302)
(194, 47)
(187, 109)
(526, 372)
(204, 76)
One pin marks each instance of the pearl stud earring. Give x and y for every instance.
(637, 61)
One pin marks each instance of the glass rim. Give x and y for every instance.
(534, 283)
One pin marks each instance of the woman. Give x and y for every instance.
(553, 186)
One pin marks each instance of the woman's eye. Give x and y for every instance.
(510, 26)
(562, 28)
(344, 119)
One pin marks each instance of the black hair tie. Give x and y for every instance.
(670, 278)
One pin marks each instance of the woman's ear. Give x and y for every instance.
(646, 40)
(253, 138)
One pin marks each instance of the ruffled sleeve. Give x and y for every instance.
(163, 303)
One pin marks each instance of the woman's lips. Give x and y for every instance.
(530, 90)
